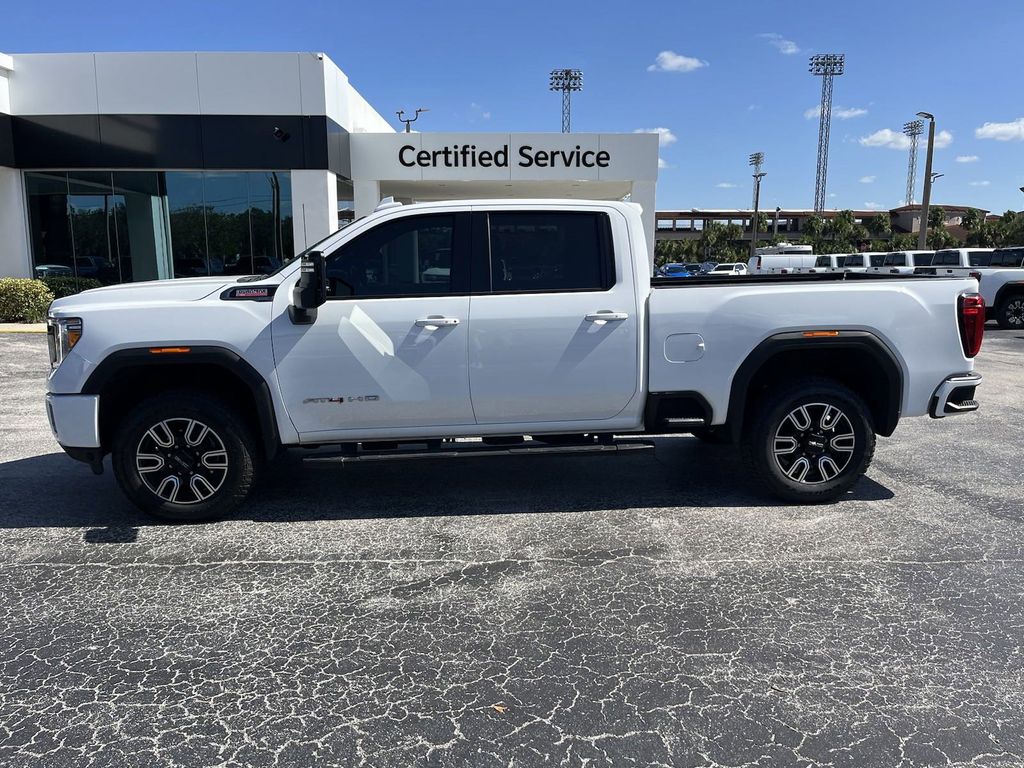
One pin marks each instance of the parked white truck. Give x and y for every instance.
(1000, 275)
(534, 325)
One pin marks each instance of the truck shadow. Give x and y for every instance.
(53, 491)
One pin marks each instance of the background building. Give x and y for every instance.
(136, 166)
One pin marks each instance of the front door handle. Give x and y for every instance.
(437, 322)
(604, 315)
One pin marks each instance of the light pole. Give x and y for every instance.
(775, 226)
(757, 202)
(926, 198)
(566, 81)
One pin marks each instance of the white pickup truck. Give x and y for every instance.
(1000, 276)
(525, 326)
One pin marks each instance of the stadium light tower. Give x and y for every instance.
(566, 81)
(756, 160)
(826, 66)
(913, 129)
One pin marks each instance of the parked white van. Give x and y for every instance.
(904, 262)
(781, 259)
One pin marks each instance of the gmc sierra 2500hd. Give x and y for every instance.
(532, 324)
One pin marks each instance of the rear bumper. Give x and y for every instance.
(955, 395)
(74, 419)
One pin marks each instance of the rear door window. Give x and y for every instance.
(895, 259)
(853, 260)
(923, 259)
(980, 259)
(550, 251)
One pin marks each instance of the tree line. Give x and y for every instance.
(843, 234)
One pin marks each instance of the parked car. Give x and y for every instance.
(549, 327)
(730, 269)
(904, 262)
(861, 262)
(950, 260)
(676, 270)
(829, 262)
(1001, 283)
(53, 270)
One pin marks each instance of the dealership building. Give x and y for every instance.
(139, 166)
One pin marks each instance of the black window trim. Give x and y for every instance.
(461, 262)
(481, 245)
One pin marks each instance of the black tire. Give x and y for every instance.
(818, 468)
(1010, 312)
(203, 457)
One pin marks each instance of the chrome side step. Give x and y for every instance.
(455, 450)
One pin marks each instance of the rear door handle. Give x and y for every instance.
(594, 317)
(437, 322)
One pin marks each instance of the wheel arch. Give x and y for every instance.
(128, 376)
(1007, 290)
(857, 359)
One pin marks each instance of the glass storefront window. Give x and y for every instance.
(227, 224)
(270, 214)
(118, 226)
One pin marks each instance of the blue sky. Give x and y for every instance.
(733, 79)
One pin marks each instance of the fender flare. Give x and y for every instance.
(785, 342)
(220, 357)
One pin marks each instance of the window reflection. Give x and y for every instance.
(118, 226)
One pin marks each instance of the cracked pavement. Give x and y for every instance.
(644, 609)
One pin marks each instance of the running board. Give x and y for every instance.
(464, 450)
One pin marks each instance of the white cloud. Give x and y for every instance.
(670, 61)
(662, 164)
(886, 137)
(873, 206)
(967, 158)
(479, 111)
(832, 194)
(843, 113)
(979, 183)
(787, 47)
(725, 185)
(665, 136)
(867, 179)
(1012, 131)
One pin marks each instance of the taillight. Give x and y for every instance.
(758, 263)
(971, 315)
(976, 276)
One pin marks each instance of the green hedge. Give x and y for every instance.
(69, 286)
(23, 300)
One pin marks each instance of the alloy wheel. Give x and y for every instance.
(814, 443)
(182, 461)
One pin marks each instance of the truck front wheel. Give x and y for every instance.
(184, 457)
(810, 441)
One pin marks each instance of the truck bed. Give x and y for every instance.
(775, 279)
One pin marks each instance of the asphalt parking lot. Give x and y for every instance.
(645, 609)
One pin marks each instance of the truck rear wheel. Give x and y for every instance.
(184, 457)
(1010, 312)
(811, 441)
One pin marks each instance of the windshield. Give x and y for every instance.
(823, 261)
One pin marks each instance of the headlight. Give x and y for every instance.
(62, 333)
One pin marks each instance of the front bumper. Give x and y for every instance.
(74, 419)
(955, 395)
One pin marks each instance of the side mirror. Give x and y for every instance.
(311, 289)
